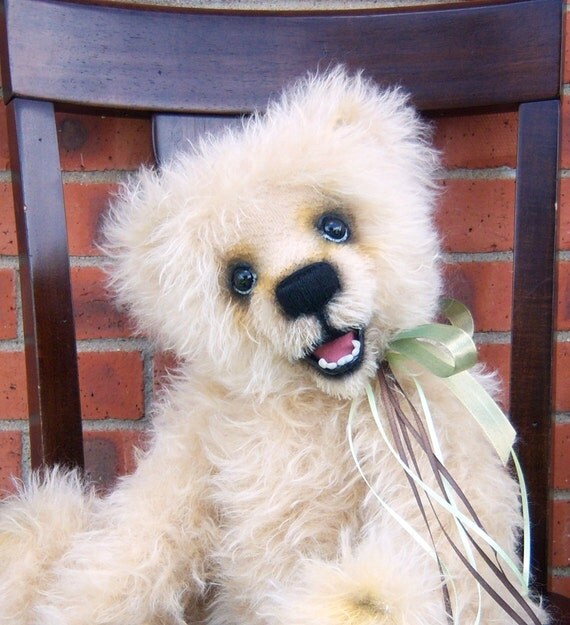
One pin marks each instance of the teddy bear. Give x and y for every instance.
(279, 262)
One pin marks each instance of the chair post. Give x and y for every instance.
(51, 353)
(534, 303)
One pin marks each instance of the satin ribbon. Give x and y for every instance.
(448, 351)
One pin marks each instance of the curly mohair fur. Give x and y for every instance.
(247, 499)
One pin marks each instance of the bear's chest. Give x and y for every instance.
(283, 490)
(290, 488)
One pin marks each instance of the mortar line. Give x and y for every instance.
(477, 257)
(492, 338)
(114, 424)
(104, 176)
(122, 344)
(87, 261)
(13, 425)
(478, 173)
(9, 261)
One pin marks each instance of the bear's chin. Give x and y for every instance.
(350, 385)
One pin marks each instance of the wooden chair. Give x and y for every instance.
(196, 69)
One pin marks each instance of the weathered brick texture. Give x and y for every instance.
(477, 215)
(10, 460)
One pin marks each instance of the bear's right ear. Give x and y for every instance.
(126, 235)
(161, 264)
(142, 240)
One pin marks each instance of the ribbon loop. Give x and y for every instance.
(443, 349)
(458, 315)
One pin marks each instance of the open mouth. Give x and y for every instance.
(340, 354)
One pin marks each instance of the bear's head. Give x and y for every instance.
(286, 255)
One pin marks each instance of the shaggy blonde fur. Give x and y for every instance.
(247, 498)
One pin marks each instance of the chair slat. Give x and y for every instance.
(171, 133)
(51, 356)
(533, 307)
(179, 55)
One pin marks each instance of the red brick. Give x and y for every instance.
(84, 205)
(477, 141)
(497, 357)
(562, 384)
(111, 385)
(561, 533)
(564, 215)
(4, 153)
(486, 288)
(8, 323)
(110, 454)
(561, 456)
(560, 585)
(10, 460)
(163, 363)
(566, 68)
(13, 395)
(90, 142)
(477, 215)
(565, 145)
(8, 244)
(95, 314)
(563, 311)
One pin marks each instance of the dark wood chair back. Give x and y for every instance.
(193, 70)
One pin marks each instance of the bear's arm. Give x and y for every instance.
(145, 555)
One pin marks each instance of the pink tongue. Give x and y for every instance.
(333, 350)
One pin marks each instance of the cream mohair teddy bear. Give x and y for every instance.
(277, 263)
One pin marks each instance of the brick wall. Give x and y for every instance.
(119, 373)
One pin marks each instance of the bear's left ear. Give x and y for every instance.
(351, 103)
(353, 100)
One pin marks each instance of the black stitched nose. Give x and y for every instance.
(308, 290)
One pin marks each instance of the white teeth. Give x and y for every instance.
(323, 364)
(344, 360)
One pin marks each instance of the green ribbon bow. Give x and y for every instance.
(448, 351)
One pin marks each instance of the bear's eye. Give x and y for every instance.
(333, 228)
(243, 279)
